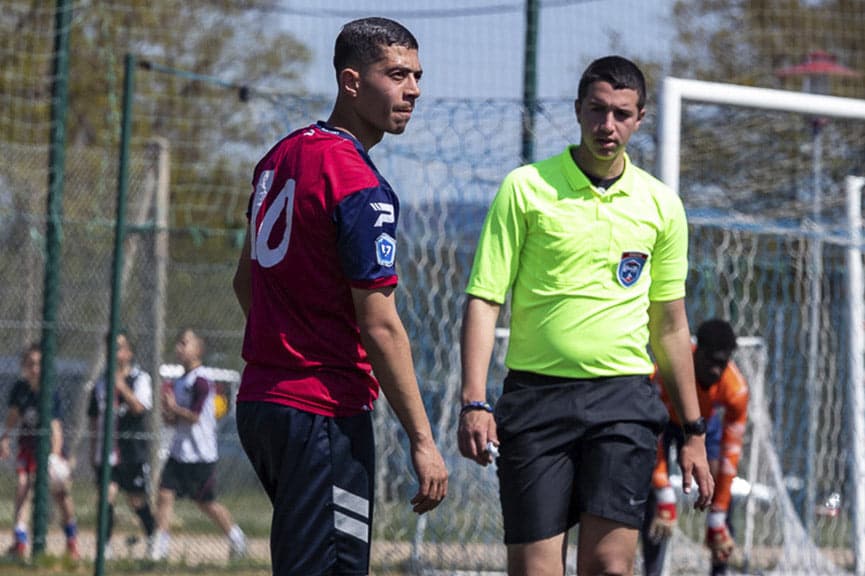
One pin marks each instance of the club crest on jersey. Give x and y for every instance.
(630, 267)
(385, 250)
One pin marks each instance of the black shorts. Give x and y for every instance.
(193, 480)
(570, 447)
(319, 474)
(131, 477)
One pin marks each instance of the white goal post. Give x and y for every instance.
(677, 90)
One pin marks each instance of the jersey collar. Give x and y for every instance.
(325, 127)
(579, 181)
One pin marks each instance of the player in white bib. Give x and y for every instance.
(188, 404)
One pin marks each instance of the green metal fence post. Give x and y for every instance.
(114, 320)
(53, 242)
(530, 82)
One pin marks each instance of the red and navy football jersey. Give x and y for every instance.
(322, 221)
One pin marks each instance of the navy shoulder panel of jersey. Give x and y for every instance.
(366, 233)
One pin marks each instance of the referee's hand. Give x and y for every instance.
(692, 460)
(432, 477)
(477, 428)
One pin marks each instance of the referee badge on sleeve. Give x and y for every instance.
(630, 267)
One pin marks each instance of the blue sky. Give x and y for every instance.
(473, 48)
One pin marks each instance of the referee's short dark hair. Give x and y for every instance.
(619, 72)
(716, 334)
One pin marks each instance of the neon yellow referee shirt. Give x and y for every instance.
(583, 264)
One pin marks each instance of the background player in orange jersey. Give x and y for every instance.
(723, 397)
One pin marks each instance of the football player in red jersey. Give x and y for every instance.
(316, 281)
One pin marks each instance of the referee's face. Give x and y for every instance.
(608, 117)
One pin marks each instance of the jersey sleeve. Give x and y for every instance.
(735, 401)
(670, 255)
(496, 258)
(200, 392)
(93, 404)
(366, 237)
(143, 390)
(11, 400)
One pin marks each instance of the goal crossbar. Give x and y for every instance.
(675, 90)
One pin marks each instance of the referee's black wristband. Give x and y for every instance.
(476, 405)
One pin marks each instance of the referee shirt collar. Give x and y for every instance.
(579, 182)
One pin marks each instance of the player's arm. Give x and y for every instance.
(664, 514)
(477, 427)
(387, 345)
(200, 392)
(242, 282)
(12, 418)
(56, 436)
(734, 399)
(128, 394)
(93, 423)
(670, 339)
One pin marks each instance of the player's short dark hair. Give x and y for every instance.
(360, 42)
(619, 72)
(202, 344)
(716, 334)
(29, 349)
(125, 333)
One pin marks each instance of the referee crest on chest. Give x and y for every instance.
(630, 268)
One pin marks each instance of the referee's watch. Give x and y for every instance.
(695, 427)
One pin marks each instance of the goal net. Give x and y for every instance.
(770, 536)
(762, 176)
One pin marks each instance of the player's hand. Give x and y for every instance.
(4, 448)
(718, 538)
(169, 402)
(432, 477)
(120, 384)
(169, 405)
(476, 429)
(695, 467)
(664, 519)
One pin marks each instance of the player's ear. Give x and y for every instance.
(349, 81)
(577, 109)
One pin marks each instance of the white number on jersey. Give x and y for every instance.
(260, 249)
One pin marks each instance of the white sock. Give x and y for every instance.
(236, 535)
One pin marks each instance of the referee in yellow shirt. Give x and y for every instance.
(594, 253)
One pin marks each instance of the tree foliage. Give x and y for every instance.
(766, 161)
(221, 45)
(747, 41)
(234, 41)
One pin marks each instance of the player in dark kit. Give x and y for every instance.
(130, 455)
(23, 414)
(316, 281)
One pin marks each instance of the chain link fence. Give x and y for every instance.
(746, 182)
